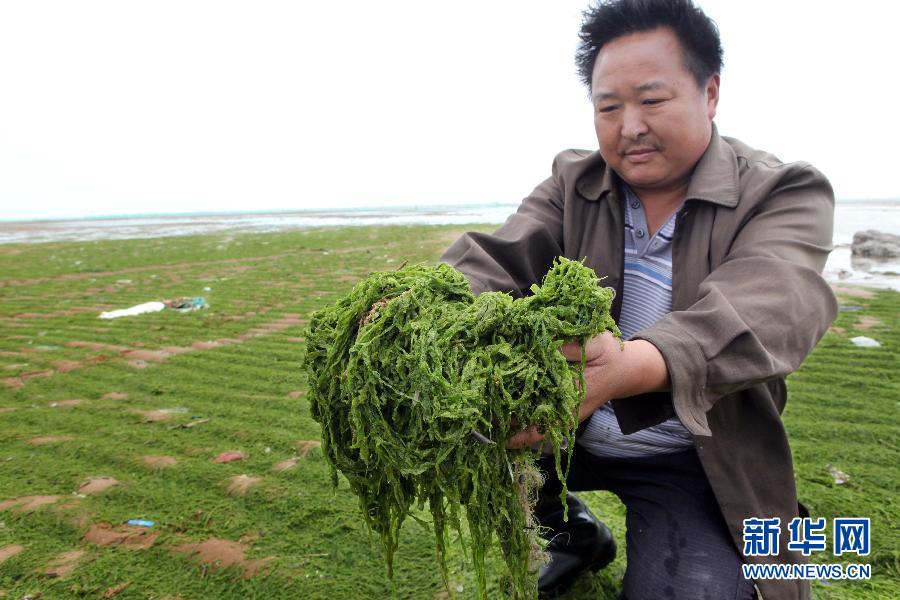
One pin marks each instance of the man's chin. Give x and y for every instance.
(640, 179)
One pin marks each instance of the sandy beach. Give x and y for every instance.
(195, 426)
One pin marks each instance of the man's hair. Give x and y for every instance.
(611, 19)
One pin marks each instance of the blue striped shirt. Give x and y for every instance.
(646, 297)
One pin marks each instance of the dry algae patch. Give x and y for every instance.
(417, 384)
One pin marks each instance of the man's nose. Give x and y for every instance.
(633, 123)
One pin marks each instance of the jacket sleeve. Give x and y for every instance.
(763, 309)
(519, 253)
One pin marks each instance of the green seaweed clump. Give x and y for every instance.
(418, 384)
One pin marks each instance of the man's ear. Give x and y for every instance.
(712, 95)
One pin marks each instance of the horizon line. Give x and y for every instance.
(323, 210)
(274, 211)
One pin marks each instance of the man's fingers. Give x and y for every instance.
(596, 348)
(526, 437)
(572, 351)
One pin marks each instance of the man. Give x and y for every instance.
(715, 251)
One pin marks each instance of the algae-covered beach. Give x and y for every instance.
(197, 422)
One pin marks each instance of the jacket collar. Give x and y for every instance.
(715, 177)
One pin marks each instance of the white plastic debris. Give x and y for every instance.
(865, 342)
(146, 307)
(840, 478)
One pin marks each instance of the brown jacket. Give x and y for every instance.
(748, 305)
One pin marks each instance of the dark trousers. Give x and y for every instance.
(677, 543)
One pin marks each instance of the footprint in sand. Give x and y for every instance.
(27, 504)
(64, 564)
(159, 462)
(221, 553)
(129, 536)
(284, 465)
(240, 484)
(95, 485)
(7, 552)
(867, 322)
(304, 447)
(153, 416)
(43, 440)
(65, 403)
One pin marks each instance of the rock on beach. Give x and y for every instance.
(875, 244)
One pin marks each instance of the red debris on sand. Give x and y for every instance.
(226, 457)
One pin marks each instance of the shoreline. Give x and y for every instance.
(840, 269)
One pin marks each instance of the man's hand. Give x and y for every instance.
(595, 348)
(527, 437)
(613, 370)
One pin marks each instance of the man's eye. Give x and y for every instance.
(608, 108)
(653, 101)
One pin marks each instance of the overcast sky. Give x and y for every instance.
(125, 107)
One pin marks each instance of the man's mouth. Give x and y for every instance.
(640, 154)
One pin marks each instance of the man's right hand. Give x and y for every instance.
(593, 349)
(617, 370)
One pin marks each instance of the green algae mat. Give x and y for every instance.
(198, 422)
(417, 384)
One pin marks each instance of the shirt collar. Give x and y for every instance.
(715, 178)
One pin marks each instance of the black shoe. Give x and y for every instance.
(583, 543)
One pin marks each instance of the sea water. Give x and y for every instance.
(850, 216)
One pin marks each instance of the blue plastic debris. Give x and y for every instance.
(186, 304)
(140, 523)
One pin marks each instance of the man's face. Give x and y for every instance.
(652, 120)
